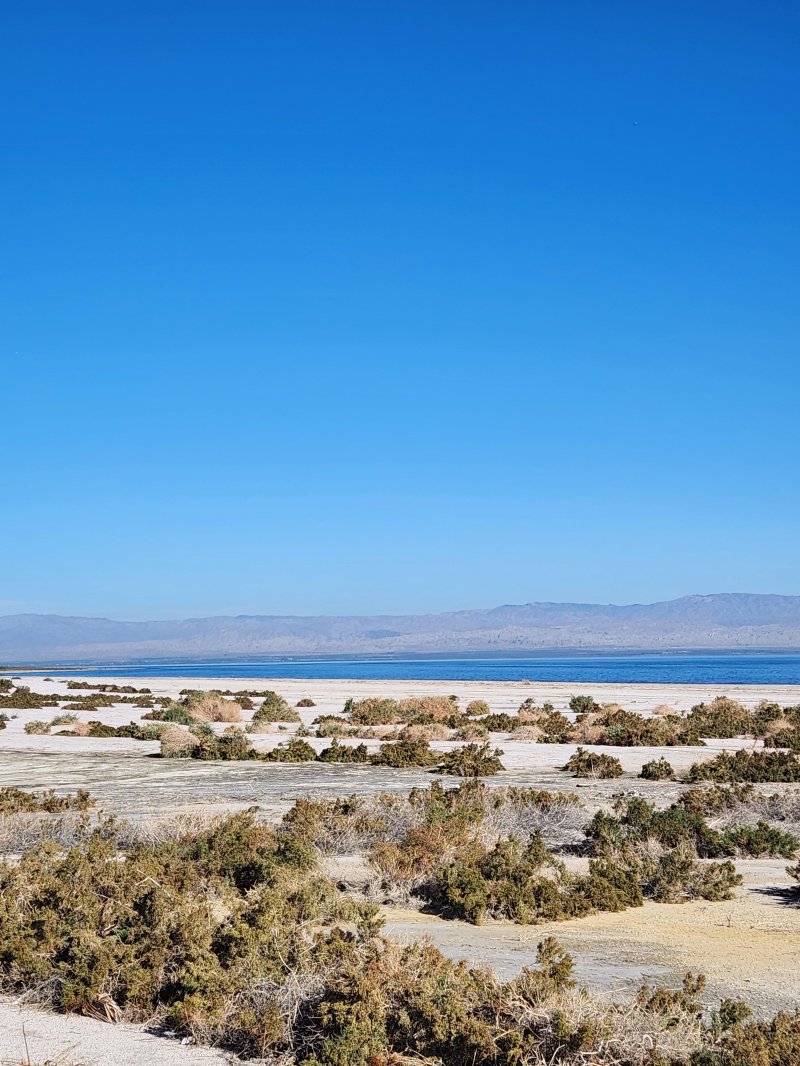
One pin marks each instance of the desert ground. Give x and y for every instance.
(746, 946)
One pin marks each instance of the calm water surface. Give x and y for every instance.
(636, 669)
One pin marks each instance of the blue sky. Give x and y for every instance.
(363, 307)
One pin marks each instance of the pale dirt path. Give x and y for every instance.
(27, 1034)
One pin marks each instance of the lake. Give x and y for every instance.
(635, 669)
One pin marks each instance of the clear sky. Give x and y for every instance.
(361, 307)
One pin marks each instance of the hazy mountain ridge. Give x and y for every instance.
(724, 621)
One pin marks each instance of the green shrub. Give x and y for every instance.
(17, 801)
(345, 753)
(501, 722)
(274, 708)
(583, 704)
(405, 753)
(657, 770)
(723, 717)
(22, 699)
(294, 751)
(472, 760)
(747, 766)
(173, 712)
(637, 823)
(588, 764)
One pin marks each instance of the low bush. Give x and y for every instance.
(274, 708)
(332, 725)
(177, 743)
(345, 753)
(173, 712)
(747, 766)
(472, 732)
(37, 728)
(23, 699)
(583, 704)
(421, 710)
(477, 707)
(589, 764)
(18, 801)
(637, 823)
(64, 719)
(723, 717)
(473, 760)
(657, 770)
(305, 702)
(501, 722)
(294, 751)
(405, 753)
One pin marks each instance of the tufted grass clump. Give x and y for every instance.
(37, 728)
(204, 707)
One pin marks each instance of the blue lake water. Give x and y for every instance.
(660, 669)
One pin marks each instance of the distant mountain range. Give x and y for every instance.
(722, 621)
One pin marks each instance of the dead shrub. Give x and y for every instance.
(207, 707)
(435, 731)
(475, 708)
(177, 742)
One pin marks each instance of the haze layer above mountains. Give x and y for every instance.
(724, 621)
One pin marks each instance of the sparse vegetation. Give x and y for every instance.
(228, 934)
(37, 728)
(16, 801)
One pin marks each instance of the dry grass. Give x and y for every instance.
(23, 832)
(528, 732)
(438, 707)
(176, 740)
(172, 825)
(211, 707)
(664, 710)
(38, 729)
(434, 731)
